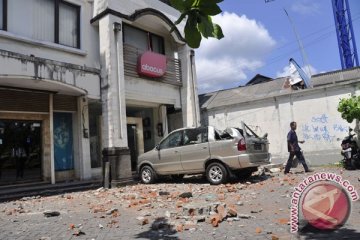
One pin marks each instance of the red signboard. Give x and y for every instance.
(151, 64)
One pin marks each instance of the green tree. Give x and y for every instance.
(199, 24)
(350, 108)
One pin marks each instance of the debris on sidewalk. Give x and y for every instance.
(50, 213)
(193, 206)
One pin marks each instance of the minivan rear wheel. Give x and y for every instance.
(147, 175)
(216, 173)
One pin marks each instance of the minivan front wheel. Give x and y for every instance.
(216, 173)
(147, 175)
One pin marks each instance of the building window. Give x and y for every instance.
(143, 40)
(69, 24)
(2, 14)
(47, 20)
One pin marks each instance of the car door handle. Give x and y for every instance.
(176, 151)
(204, 147)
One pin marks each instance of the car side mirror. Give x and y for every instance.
(157, 147)
(265, 136)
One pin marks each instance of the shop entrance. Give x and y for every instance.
(20, 151)
(135, 139)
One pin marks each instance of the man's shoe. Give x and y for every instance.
(309, 170)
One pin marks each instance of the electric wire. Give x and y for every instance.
(280, 57)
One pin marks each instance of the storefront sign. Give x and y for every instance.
(152, 64)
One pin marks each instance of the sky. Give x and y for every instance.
(260, 39)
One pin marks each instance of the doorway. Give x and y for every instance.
(135, 139)
(20, 151)
(63, 141)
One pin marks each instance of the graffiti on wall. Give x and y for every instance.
(321, 129)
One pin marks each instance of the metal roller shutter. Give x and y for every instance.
(65, 103)
(23, 101)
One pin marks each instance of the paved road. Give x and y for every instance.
(159, 212)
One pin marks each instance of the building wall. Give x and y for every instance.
(28, 63)
(87, 55)
(120, 89)
(315, 111)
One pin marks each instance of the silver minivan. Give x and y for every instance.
(205, 150)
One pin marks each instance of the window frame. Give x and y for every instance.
(149, 37)
(57, 21)
(4, 12)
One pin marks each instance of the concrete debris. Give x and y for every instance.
(186, 195)
(78, 232)
(50, 213)
(142, 220)
(256, 211)
(111, 211)
(245, 216)
(240, 203)
(275, 170)
(163, 193)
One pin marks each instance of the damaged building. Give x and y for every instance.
(84, 80)
(269, 107)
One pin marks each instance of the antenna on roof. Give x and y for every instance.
(303, 55)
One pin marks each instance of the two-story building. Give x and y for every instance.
(82, 78)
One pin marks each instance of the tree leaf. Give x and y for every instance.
(206, 26)
(192, 34)
(217, 33)
(182, 5)
(209, 7)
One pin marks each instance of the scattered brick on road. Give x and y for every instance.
(192, 209)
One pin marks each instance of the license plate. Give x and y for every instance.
(257, 146)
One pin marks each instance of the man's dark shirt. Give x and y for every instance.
(293, 140)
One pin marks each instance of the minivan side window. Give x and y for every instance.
(195, 136)
(173, 140)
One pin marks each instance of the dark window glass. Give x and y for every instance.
(173, 140)
(157, 44)
(195, 136)
(143, 40)
(1, 14)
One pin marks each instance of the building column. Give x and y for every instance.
(52, 151)
(84, 140)
(189, 95)
(115, 143)
(164, 120)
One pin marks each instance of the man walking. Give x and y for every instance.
(294, 149)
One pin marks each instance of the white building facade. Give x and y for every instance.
(78, 81)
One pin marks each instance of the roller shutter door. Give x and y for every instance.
(23, 101)
(65, 103)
